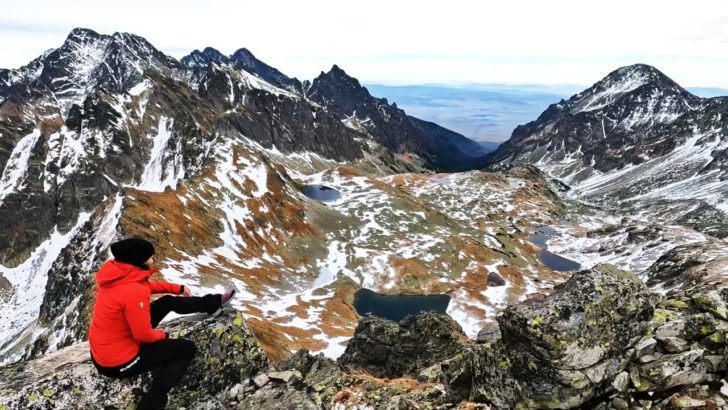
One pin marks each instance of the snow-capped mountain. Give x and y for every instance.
(633, 140)
(107, 136)
(209, 157)
(390, 126)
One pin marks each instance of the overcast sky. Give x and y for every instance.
(407, 42)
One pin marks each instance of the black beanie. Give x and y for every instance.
(134, 251)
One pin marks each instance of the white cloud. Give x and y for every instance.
(406, 41)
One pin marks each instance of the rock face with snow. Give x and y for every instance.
(343, 96)
(634, 139)
(102, 116)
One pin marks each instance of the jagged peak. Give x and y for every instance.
(204, 57)
(338, 75)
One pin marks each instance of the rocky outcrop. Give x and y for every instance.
(564, 348)
(66, 379)
(698, 265)
(601, 340)
(387, 349)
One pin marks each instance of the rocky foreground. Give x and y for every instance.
(601, 340)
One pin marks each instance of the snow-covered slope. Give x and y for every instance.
(103, 136)
(634, 140)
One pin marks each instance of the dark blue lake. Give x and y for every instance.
(540, 236)
(321, 193)
(397, 307)
(558, 263)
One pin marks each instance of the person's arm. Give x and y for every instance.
(136, 312)
(160, 286)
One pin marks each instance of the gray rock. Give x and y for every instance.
(261, 380)
(619, 403)
(565, 347)
(489, 333)
(700, 325)
(645, 347)
(285, 376)
(647, 358)
(621, 381)
(713, 363)
(711, 302)
(495, 279)
(279, 398)
(673, 328)
(236, 391)
(685, 368)
(673, 344)
(387, 349)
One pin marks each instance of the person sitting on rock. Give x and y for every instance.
(122, 336)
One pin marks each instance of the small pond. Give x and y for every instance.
(558, 263)
(321, 193)
(540, 237)
(397, 307)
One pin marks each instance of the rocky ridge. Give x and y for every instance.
(600, 340)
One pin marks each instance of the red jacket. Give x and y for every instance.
(121, 320)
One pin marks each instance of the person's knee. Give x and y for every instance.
(164, 300)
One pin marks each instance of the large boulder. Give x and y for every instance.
(66, 379)
(565, 349)
(385, 348)
(695, 265)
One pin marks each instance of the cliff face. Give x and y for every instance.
(600, 340)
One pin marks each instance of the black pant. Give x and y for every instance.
(171, 355)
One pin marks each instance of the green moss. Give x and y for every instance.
(546, 404)
(676, 304)
(537, 321)
(532, 365)
(238, 320)
(663, 316)
(504, 363)
(33, 397)
(643, 385)
(77, 390)
(706, 330)
(4, 407)
(47, 393)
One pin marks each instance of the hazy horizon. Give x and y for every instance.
(464, 42)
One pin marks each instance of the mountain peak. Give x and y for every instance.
(637, 75)
(204, 57)
(80, 34)
(243, 54)
(621, 82)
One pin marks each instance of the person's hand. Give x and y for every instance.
(186, 291)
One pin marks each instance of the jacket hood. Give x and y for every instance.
(114, 273)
